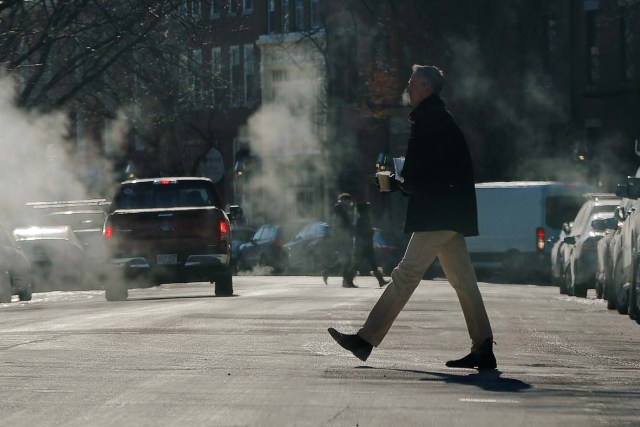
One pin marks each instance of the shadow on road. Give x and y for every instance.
(176, 297)
(486, 380)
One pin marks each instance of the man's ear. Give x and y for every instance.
(429, 89)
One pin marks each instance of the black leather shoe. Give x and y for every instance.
(348, 284)
(352, 342)
(480, 358)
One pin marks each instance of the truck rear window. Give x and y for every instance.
(560, 209)
(149, 195)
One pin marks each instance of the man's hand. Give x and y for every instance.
(393, 184)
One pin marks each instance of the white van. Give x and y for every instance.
(516, 220)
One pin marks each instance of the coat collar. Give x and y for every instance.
(433, 101)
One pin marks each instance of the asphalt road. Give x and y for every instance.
(175, 355)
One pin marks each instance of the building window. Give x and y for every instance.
(197, 78)
(214, 9)
(216, 74)
(248, 7)
(300, 15)
(184, 79)
(235, 76)
(592, 47)
(233, 7)
(195, 9)
(279, 82)
(552, 36)
(627, 42)
(249, 86)
(285, 16)
(271, 15)
(315, 14)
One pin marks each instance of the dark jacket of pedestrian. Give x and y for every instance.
(438, 173)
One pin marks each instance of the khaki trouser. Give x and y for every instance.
(451, 250)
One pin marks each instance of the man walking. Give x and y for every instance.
(437, 177)
(363, 247)
(341, 240)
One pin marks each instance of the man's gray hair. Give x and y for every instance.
(430, 75)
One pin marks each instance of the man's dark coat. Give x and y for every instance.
(438, 173)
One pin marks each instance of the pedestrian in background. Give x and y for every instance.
(363, 243)
(438, 180)
(341, 245)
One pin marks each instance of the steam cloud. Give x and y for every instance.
(35, 165)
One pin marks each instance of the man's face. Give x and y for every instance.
(417, 90)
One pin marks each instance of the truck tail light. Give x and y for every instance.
(540, 239)
(108, 231)
(223, 229)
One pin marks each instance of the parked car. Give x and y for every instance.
(15, 269)
(578, 254)
(87, 225)
(265, 249)
(618, 293)
(626, 277)
(557, 259)
(57, 257)
(582, 265)
(307, 251)
(604, 272)
(239, 235)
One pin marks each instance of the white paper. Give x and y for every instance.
(398, 164)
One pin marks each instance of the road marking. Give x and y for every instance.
(472, 400)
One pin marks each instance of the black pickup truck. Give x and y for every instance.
(167, 230)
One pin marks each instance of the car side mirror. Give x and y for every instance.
(570, 240)
(235, 213)
(611, 223)
(633, 187)
(621, 190)
(598, 225)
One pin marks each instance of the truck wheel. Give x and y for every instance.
(26, 293)
(565, 282)
(608, 294)
(621, 295)
(224, 285)
(599, 289)
(580, 290)
(115, 291)
(634, 298)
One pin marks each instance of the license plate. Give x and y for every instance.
(167, 259)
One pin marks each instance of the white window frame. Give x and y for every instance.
(314, 13)
(196, 9)
(271, 9)
(184, 80)
(300, 23)
(286, 21)
(249, 73)
(247, 7)
(234, 60)
(197, 89)
(214, 9)
(232, 7)
(216, 73)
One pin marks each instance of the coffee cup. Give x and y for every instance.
(384, 180)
